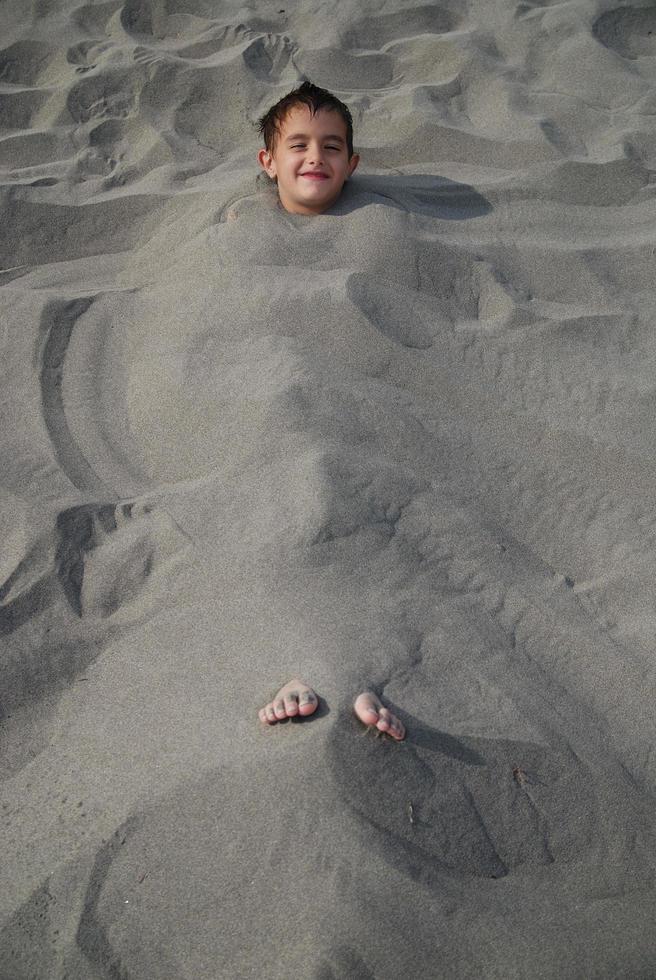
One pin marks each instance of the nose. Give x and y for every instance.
(314, 154)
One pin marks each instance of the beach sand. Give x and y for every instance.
(407, 444)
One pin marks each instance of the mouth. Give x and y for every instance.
(315, 176)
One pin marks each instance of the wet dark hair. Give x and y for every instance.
(314, 98)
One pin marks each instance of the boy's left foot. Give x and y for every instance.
(372, 712)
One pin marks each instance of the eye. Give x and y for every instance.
(301, 146)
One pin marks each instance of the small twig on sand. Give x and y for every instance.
(520, 776)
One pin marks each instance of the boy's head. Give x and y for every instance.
(308, 137)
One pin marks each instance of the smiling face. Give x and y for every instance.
(310, 160)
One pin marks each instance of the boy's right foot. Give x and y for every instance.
(294, 699)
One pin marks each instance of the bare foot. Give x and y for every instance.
(371, 712)
(295, 698)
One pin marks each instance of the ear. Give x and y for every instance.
(353, 162)
(267, 163)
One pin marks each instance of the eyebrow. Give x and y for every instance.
(303, 136)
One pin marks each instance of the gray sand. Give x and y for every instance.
(406, 444)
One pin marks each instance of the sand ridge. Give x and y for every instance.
(406, 444)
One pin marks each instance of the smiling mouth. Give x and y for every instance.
(315, 176)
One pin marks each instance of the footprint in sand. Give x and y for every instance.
(94, 18)
(118, 561)
(385, 28)
(24, 62)
(631, 31)
(100, 568)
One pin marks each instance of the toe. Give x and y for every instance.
(307, 703)
(397, 729)
(270, 713)
(291, 704)
(262, 715)
(366, 709)
(384, 721)
(279, 710)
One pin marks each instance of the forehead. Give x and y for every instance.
(325, 122)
